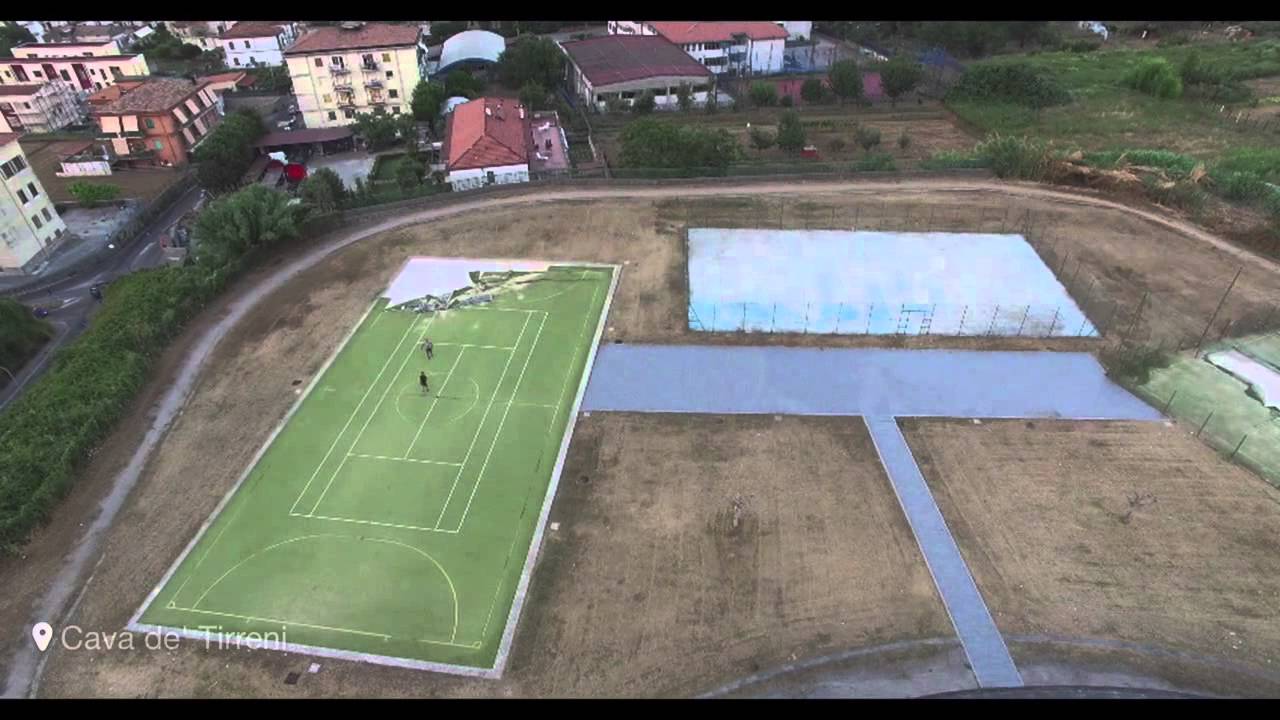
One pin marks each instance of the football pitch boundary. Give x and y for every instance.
(135, 623)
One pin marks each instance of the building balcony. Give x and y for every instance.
(337, 70)
(373, 83)
(379, 100)
(370, 67)
(346, 100)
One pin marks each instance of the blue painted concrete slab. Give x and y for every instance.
(983, 645)
(857, 381)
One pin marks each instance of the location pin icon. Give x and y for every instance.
(42, 633)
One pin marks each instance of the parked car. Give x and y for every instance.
(40, 312)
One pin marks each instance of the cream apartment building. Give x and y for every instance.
(340, 72)
(29, 225)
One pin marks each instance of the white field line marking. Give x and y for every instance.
(434, 400)
(372, 415)
(351, 417)
(475, 347)
(494, 443)
(376, 523)
(251, 618)
(496, 389)
(537, 405)
(400, 459)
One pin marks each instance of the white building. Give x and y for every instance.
(29, 224)
(797, 29)
(254, 44)
(41, 107)
(737, 48)
(201, 33)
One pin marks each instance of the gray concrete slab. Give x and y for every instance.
(348, 165)
(857, 381)
(983, 645)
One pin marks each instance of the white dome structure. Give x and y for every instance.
(471, 46)
(452, 103)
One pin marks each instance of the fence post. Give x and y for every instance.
(1053, 322)
(838, 311)
(992, 326)
(1132, 326)
(963, 314)
(1024, 320)
(870, 311)
(1074, 274)
(1205, 423)
(744, 317)
(1214, 316)
(1238, 446)
(1170, 403)
(773, 321)
(857, 213)
(713, 318)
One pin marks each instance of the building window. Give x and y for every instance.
(65, 75)
(395, 109)
(22, 195)
(45, 213)
(32, 187)
(333, 115)
(390, 74)
(246, 44)
(386, 57)
(26, 105)
(151, 124)
(394, 93)
(35, 220)
(237, 61)
(335, 60)
(348, 113)
(319, 62)
(490, 178)
(13, 167)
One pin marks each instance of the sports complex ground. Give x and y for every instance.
(389, 521)
(645, 585)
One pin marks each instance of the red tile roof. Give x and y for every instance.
(610, 59)
(154, 95)
(253, 29)
(303, 137)
(372, 35)
(241, 79)
(683, 33)
(19, 90)
(475, 138)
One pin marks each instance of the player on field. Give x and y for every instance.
(422, 380)
(429, 348)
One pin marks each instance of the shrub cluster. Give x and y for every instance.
(1014, 82)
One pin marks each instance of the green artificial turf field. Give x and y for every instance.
(392, 524)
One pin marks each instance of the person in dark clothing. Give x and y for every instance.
(429, 348)
(422, 380)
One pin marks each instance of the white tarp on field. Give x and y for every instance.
(1264, 380)
(855, 282)
(439, 277)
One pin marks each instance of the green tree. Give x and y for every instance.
(233, 226)
(225, 155)
(407, 174)
(12, 34)
(533, 96)
(531, 59)
(92, 195)
(1155, 77)
(973, 39)
(846, 80)
(21, 336)
(445, 29)
(460, 83)
(763, 93)
(1023, 31)
(761, 139)
(643, 104)
(867, 138)
(812, 90)
(379, 130)
(899, 76)
(652, 143)
(428, 102)
(791, 135)
(323, 190)
(684, 97)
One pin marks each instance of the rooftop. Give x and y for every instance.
(303, 137)
(613, 59)
(239, 78)
(486, 132)
(253, 29)
(6, 138)
(71, 58)
(19, 90)
(372, 35)
(683, 33)
(156, 94)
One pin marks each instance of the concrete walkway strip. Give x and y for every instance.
(857, 381)
(985, 648)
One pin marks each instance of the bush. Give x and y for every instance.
(837, 144)
(643, 104)
(92, 195)
(1015, 157)
(880, 162)
(867, 138)
(904, 141)
(653, 143)
(1155, 77)
(791, 135)
(1172, 162)
(1133, 364)
(1174, 40)
(1081, 46)
(786, 101)
(21, 336)
(812, 91)
(1015, 82)
(763, 94)
(761, 139)
(225, 155)
(953, 160)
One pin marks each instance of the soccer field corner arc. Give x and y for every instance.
(385, 524)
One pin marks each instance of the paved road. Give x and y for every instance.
(68, 297)
(55, 599)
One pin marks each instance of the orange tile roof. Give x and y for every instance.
(475, 138)
(253, 29)
(372, 35)
(155, 95)
(683, 33)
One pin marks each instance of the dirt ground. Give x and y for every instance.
(46, 156)
(1118, 530)
(247, 385)
(645, 587)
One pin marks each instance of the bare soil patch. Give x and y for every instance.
(1111, 530)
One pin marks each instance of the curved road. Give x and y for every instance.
(25, 666)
